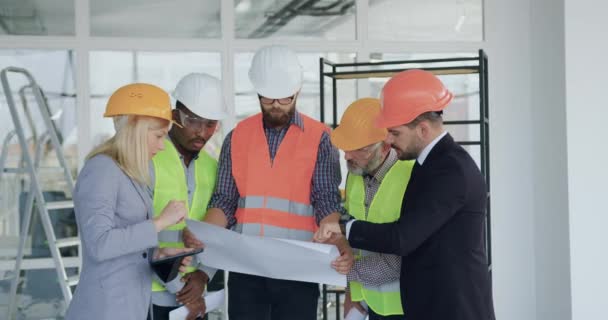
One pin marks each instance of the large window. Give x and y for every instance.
(156, 19)
(37, 17)
(288, 19)
(113, 69)
(432, 20)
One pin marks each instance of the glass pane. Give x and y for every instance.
(113, 69)
(38, 295)
(287, 19)
(156, 19)
(37, 17)
(436, 20)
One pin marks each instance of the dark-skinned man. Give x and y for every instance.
(186, 172)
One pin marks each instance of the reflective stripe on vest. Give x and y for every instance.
(385, 207)
(275, 195)
(273, 232)
(257, 202)
(170, 184)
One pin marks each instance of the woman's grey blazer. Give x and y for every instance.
(113, 215)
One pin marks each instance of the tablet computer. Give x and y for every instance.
(167, 266)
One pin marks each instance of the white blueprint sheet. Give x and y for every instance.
(267, 257)
(355, 314)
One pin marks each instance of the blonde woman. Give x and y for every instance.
(114, 209)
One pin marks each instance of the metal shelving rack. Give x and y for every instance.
(385, 69)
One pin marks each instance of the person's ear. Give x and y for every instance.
(423, 129)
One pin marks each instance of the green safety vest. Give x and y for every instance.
(170, 184)
(385, 300)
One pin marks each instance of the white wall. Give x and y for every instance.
(548, 95)
(548, 108)
(587, 112)
(507, 36)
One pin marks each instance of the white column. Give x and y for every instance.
(83, 106)
(548, 108)
(507, 31)
(587, 112)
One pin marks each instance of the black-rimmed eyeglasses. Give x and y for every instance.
(282, 101)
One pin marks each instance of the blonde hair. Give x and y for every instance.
(129, 146)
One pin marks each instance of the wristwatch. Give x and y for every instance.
(343, 227)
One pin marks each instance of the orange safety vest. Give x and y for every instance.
(275, 195)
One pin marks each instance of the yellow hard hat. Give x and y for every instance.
(357, 127)
(139, 99)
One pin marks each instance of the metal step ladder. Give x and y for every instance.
(31, 167)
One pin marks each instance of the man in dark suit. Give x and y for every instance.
(440, 234)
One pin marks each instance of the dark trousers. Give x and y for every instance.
(258, 298)
(375, 316)
(162, 313)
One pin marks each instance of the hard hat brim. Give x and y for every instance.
(110, 115)
(216, 116)
(341, 141)
(344, 139)
(384, 120)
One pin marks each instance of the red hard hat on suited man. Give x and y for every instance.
(409, 94)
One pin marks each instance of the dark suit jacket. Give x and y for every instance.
(440, 236)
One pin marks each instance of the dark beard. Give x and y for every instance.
(408, 156)
(411, 153)
(274, 122)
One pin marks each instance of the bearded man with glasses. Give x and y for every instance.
(278, 176)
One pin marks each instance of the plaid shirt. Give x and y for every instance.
(378, 268)
(325, 195)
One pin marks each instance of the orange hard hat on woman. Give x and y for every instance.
(140, 99)
(409, 94)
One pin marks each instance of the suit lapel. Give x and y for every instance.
(145, 197)
(418, 171)
(442, 145)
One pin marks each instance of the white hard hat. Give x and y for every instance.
(275, 72)
(203, 95)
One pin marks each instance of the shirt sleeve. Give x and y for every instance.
(325, 195)
(96, 198)
(376, 269)
(226, 195)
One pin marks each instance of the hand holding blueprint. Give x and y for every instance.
(267, 257)
(213, 301)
